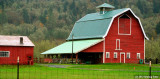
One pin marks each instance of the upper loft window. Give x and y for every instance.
(124, 25)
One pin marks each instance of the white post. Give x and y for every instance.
(104, 50)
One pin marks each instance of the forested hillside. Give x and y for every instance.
(48, 22)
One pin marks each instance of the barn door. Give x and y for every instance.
(122, 57)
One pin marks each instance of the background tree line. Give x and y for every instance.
(45, 21)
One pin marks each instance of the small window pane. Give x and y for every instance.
(107, 54)
(4, 54)
(128, 55)
(115, 54)
(138, 55)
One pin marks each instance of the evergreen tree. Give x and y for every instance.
(156, 6)
(25, 16)
(158, 28)
(43, 16)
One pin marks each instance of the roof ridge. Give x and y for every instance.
(12, 35)
(93, 20)
(100, 16)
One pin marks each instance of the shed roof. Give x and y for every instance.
(97, 25)
(66, 48)
(14, 41)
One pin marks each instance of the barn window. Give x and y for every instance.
(124, 25)
(107, 55)
(117, 44)
(138, 55)
(4, 53)
(128, 55)
(115, 54)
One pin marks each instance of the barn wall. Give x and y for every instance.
(96, 48)
(133, 43)
(22, 52)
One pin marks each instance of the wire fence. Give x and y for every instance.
(61, 68)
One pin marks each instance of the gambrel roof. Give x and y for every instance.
(96, 25)
(90, 30)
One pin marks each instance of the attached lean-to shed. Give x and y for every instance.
(12, 47)
(108, 36)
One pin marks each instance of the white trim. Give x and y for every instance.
(108, 54)
(119, 44)
(129, 55)
(120, 56)
(128, 9)
(130, 25)
(144, 51)
(116, 55)
(6, 51)
(139, 56)
(104, 50)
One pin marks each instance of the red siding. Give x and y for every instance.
(133, 43)
(22, 52)
(96, 48)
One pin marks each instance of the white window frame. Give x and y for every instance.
(7, 52)
(130, 25)
(139, 56)
(108, 54)
(129, 55)
(118, 41)
(115, 53)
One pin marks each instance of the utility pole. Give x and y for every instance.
(72, 48)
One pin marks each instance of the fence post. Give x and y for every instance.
(18, 67)
(150, 69)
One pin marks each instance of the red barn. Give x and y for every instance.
(108, 36)
(13, 46)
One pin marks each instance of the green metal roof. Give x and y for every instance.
(66, 48)
(105, 5)
(97, 16)
(93, 25)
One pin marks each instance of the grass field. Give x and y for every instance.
(99, 71)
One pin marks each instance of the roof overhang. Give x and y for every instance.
(78, 46)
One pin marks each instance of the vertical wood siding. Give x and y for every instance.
(22, 52)
(132, 44)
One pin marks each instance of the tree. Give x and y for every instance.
(43, 16)
(156, 5)
(4, 3)
(3, 18)
(158, 28)
(145, 7)
(25, 16)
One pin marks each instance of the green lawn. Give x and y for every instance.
(99, 71)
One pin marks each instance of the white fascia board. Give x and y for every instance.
(128, 9)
